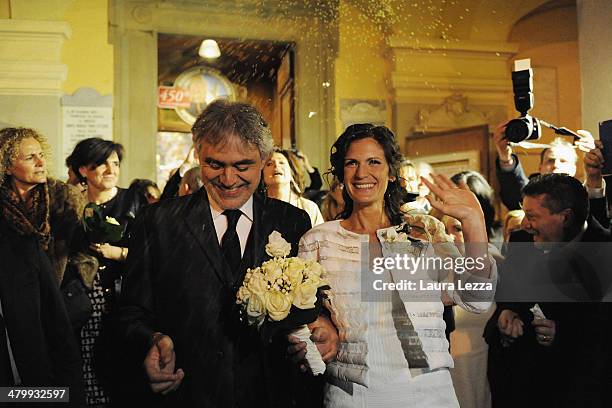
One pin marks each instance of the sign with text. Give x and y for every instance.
(82, 122)
(85, 114)
(170, 97)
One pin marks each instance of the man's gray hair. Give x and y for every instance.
(223, 119)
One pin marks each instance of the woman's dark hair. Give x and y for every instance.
(394, 196)
(91, 153)
(483, 192)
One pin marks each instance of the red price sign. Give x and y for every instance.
(169, 97)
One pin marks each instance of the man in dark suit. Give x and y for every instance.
(561, 267)
(188, 257)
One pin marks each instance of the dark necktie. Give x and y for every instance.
(409, 338)
(230, 243)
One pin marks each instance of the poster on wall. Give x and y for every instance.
(85, 114)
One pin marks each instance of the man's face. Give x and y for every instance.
(541, 223)
(231, 172)
(558, 160)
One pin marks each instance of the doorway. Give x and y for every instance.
(254, 71)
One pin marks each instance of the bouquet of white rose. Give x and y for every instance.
(284, 294)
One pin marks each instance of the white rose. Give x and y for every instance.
(278, 305)
(391, 235)
(402, 237)
(305, 295)
(272, 270)
(257, 284)
(277, 247)
(295, 270)
(256, 307)
(243, 295)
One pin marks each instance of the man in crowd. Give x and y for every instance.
(560, 352)
(189, 255)
(560, 157)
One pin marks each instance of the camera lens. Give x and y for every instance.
(517, 130)
(525, 128)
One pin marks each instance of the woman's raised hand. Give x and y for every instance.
(456, 201)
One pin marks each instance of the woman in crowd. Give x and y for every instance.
(391, 353)
(97, 163)
(333, 203)
(38, 217)
(468, 348)
(34, 204)
(279, 177)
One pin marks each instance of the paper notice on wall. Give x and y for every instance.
(85, 114)
(82, 122)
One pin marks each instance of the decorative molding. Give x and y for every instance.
(60, 28)
(454, 113)
(435, 89)
(498, 49)
(30, 57)
(430, 70)
(30, 78)
(362, 111)
(86, 96)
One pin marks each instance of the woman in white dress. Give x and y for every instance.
(279, 178)
(372, 368)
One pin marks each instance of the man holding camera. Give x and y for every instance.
(561, 157)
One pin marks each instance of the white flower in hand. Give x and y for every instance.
(113, 221)
(277, 247)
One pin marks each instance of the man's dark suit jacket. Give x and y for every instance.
(574, 370)
(179, 284)
(512, 182)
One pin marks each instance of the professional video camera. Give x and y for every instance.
(527, 127)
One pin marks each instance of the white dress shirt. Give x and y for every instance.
(243, 228)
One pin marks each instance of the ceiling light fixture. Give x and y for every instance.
(209, 49)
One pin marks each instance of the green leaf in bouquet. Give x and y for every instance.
(97, 226)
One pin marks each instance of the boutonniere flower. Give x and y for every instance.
(277, 247)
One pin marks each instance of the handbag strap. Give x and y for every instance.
(16, 376)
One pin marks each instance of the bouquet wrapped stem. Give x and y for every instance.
(313, 357)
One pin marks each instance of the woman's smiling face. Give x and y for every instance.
(366, 172)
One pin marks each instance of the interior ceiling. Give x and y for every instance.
(241, 61)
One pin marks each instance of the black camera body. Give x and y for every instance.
(525, 127)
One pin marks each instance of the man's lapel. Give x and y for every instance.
(199, 222)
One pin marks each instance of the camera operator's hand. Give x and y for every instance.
(593, 163)
(504, 150)
(587, 142)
